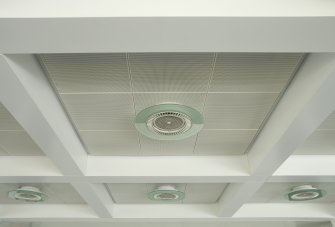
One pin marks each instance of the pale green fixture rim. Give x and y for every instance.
(14, 195)
(318, 192)
(180, 194)
(193, 115)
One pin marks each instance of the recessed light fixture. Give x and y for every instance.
(28, 194)
(304, 193)
(166, 193)
(169, 122)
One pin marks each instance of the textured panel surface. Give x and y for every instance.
(7, 121)
(277, 193)
(237, 110)
(137, 193)
(18, 143)
(203, 193)
(223, 142)
(167, 148)
(170, 72)
(249, 72)
(103, 92)
(321, 142)
(58, 193)
(144, 100)
(111, 142)
(88, 72)
(100, 111)
(329, 123)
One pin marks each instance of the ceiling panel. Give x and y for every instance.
(203, 193)
(138, 193)
(277, 193)
(13, 139)
(329, 123)
(144, 100)
(237, 110)
(250, 72)
(223, 142)
(72, 73)
(321, 142)
(100, 111)
(102, 97)
(7, 121)
(18, 143)
(111, 142)
(171, 72)
(57, 193)
(167, 147)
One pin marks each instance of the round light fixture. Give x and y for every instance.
(169, 122)
(166, 193)
(28, 194)
(304, 193)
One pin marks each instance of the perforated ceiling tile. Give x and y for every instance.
(101, 111)
(277, 192)
(111, 142)
(223, 142)
(203, 193)
(7, 121)
(73, 73)
(167, 148)
(237, 110)
(129, 193)
(57, 193)
(250, 72)
(18, 143)
(170, 72)
(144, 100)
(321, 142)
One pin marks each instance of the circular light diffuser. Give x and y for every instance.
(169, 122)
(166, 193)
(28, 194)
(304, 193)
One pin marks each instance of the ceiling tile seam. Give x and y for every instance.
(207, 129)
(169, 92)
(274, 105)
(210, 77)
(12, 130)
(39, 59)
(133, 99)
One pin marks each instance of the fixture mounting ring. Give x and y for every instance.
(169, 122)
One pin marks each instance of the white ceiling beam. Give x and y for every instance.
(168, 168)
(304, 106)
(200, 169)
(297, 211)
(163, 8)
(29, 97)
(96, 195)
(167, 212)
(167, 34)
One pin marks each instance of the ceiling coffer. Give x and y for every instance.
(169, 122)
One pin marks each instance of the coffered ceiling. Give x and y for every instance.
(75, 74)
